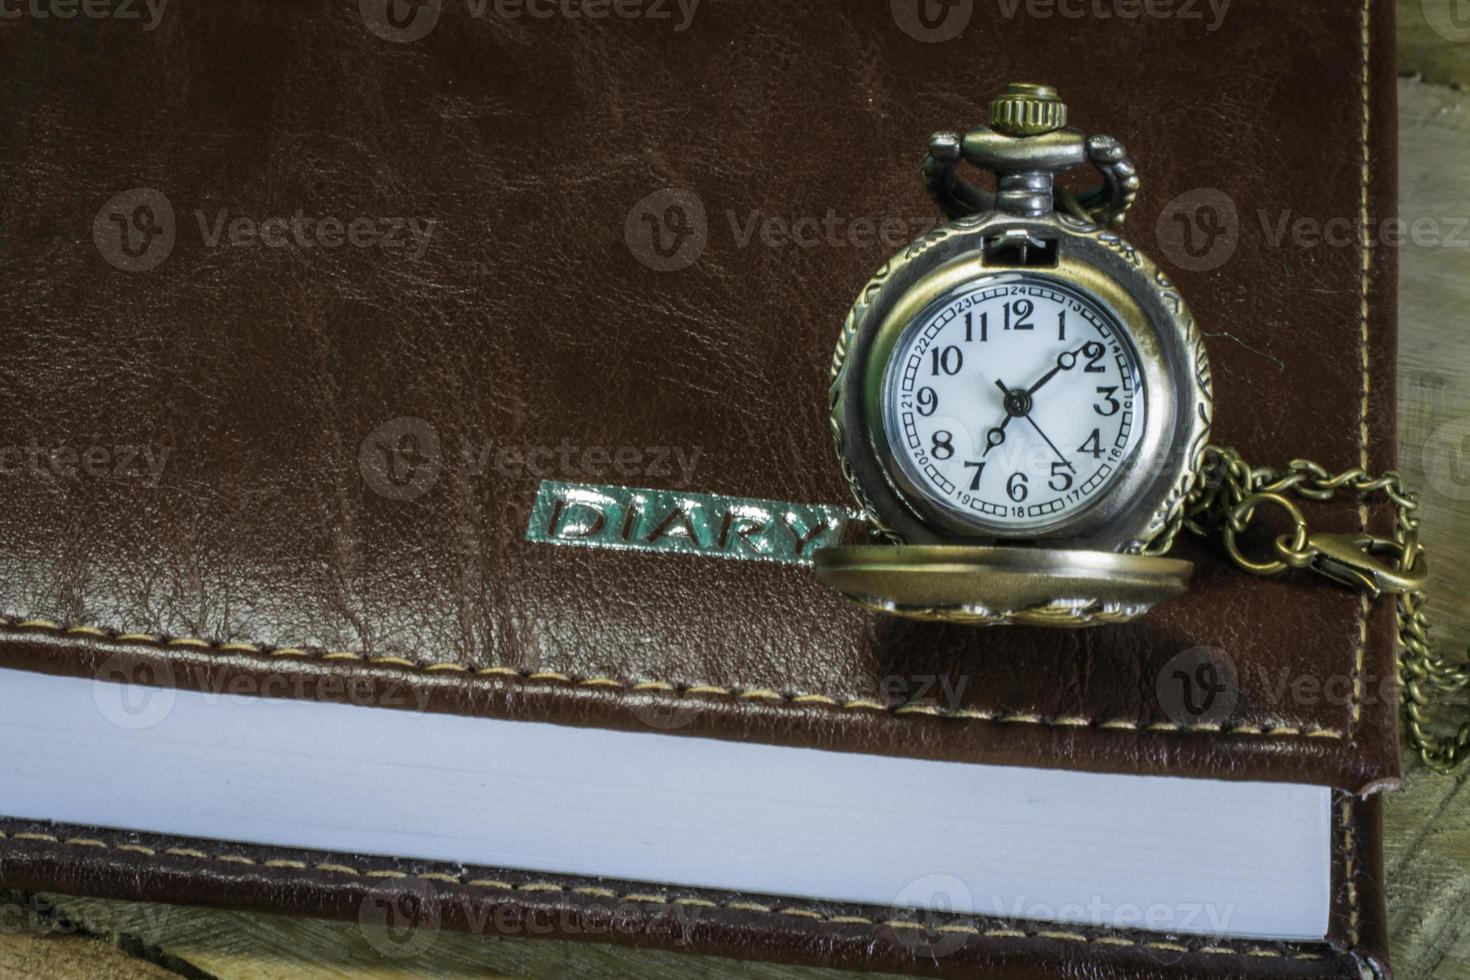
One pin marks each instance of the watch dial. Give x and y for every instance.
(1013, 404)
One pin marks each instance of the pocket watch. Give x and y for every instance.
(1020, 399)
(1021, 404)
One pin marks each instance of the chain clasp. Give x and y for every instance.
(1354, 560)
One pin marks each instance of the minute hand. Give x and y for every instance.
(1066, 360)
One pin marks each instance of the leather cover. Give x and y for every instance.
(354, 234)
(416, 899)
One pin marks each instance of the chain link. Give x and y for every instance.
(1226, 499)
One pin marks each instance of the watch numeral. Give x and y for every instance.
(1093, 351)
(1107, 391)
(1016, 314)
(942, 448)
(949, 360)
(928, 401)
(1016, 487)
(979, 469)
(1093, 445)
(970, 326)
(1062, 470)
(1062, 325)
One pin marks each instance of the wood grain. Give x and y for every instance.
(1427, 850)
(25, 957)
(1427, 846)
(35, 941)
(1434, 40)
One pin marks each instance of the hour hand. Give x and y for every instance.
(996, 436)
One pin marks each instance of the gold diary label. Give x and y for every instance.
(630, 518)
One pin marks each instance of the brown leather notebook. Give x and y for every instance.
(316, 311)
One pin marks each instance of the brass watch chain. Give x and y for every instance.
(1225, 500)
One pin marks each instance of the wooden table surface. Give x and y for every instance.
(1427, 850)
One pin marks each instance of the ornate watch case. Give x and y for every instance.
(1020, 399)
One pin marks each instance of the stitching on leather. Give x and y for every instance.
(1263, 950)
(1365, 274)
(740, 694)
(1349, 869)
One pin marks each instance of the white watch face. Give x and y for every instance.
(1013, 404)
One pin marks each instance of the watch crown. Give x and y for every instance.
(1024, 109)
